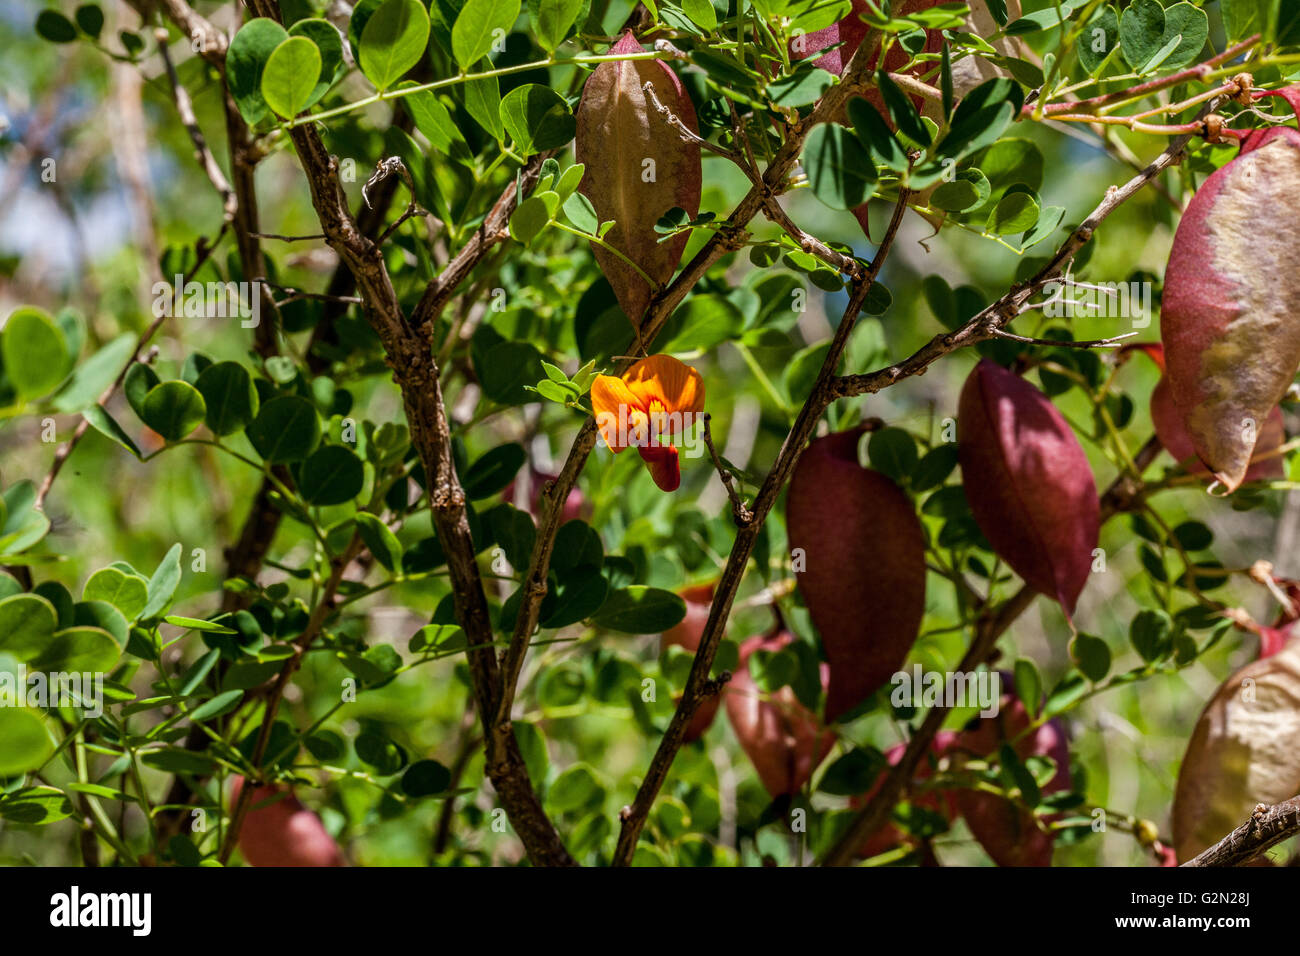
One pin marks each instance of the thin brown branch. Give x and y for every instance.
(986, 324)
(185, 107)
(633, 817)
(1113, 342)
(739, 512)
(1267, 827)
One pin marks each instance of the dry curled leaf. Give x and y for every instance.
(1230, 318)
(1245, 750)
(638, 167)
(1028, 482)
(863, 566)
(782, 738)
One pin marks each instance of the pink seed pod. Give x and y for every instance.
(1009, 834)
(938, 801)
(687, 634)
(1266, 463)
(782, 738)
(1242, 752)
(861, 548)
(283, 832)
(638, 167)
(1230, 319)
(1028, 482)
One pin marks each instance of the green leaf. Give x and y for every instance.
(223, 703)
(702, 14)
(107, 426)
(27, 623)
(196, 624)
(55, 27)
(1189, 26)
(874, 133)
(508, 367)
(1098, 39)
(425, 778)
(529, 218)
(330, 46)
(640, 610)
(246, 60)
(537, 118)
(393, 41)
(126, 592)
(104, 616)
(290, 76)
(140, 380)
(479, 26)
(381, 753)
(91, 378)
(483, 102)
(174, 409)
(90, 20)
(893, 452)
(1028, 684)
(1141, 27)
(840, 172)
(552, 20)
(1151, 634)
(853, 773)
(33, 352)
(332, 475)
(1015, 212)
(285, 429)
(26, 742)
(493, 471)
(431, 118)
(1091, 655)
(1039, 20)
(34, 806)
(79, 650)
(901, 110)
(381, 541)
(162, 586)
(229, 397)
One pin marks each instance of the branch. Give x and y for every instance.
(740, 513)
(697, 685)
(191, 123)
(990, 321)
(1267, 826)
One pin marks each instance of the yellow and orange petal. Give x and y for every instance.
(667, 382)
(611, 400)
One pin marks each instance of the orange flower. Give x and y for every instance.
(653, 399)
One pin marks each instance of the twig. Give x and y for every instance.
(1110, 343)
(274, 235)
(688, 134)
(1267, 827)
(741, 514)
(185, 108)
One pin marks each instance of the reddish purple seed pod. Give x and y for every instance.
(638, 167)
(1230, 317)
(782, 738)
(863, 566)
(1028, 482)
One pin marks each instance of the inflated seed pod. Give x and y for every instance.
(1230, 317)
(280, 831)
(638, 167)
(859, 557)
(1028, 482)
(783, 739)
(1244, 750)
